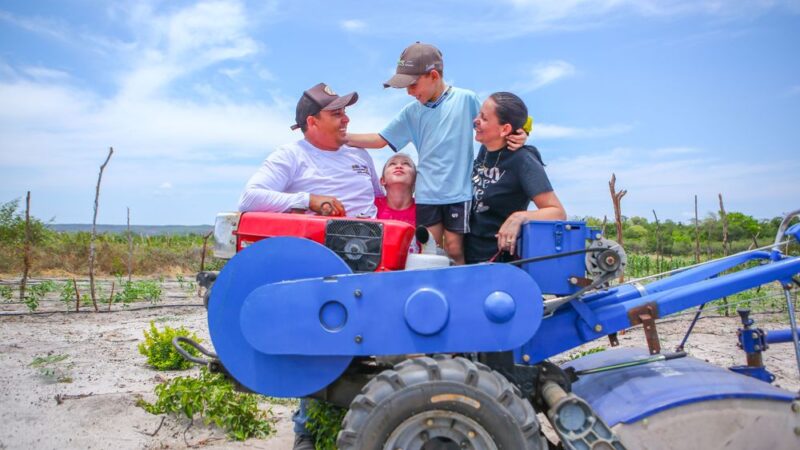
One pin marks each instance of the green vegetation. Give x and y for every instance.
(35, 292)
(69, 251)
(324, 423)
(576, 355)
(142, 290)
(49, 368)
(160, 353)
(213, 398)
(6, 292)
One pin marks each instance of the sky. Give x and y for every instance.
(677, 98)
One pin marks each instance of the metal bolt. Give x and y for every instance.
(357, 293)
(754, 335)
(796, 407)
(359, 339)
(598, 328)
(573, 280)
(429, 422)
(610, 260)
(463, 444)
(471, 434)
(567, 227)
(424, 436)
(756, 347)
(526, 357)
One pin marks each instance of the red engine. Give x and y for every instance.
(366, 245)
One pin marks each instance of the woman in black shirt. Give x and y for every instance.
(504, 182)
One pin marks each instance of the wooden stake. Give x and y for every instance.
(723, 216)
(658, 243)
(616, 198)
(77, 296)
(203, 255)
(111, 297)
(696, 234)
(130, 247)
(94, 229)
(26, 256)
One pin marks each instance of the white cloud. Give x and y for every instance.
(550, 131)
(44, 73)
(353, 25)
(544, 74)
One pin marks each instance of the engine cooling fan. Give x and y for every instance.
(358, 243)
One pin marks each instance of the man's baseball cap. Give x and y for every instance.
(320, 98)
(416, 60)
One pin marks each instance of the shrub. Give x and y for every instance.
(212, 397)
(160, 353)
(324, 423)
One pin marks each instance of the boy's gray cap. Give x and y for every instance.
(320, 98)
(416, 60)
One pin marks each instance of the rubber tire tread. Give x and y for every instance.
(395, 395)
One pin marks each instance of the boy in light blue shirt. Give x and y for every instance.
(439, 124)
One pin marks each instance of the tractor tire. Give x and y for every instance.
(440, 403)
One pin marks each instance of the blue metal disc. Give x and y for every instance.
(264, 262)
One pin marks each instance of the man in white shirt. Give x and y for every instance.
(317, 173)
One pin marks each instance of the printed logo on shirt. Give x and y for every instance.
(361, 169)
(482, 177)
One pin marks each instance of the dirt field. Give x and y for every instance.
(87, 401)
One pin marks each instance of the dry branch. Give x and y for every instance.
(723, 216)
(616, 198)
(130, 247)
(658, 242)
(26, 257)
(203, 255)
(696, 234)
(77, 296)
(94, 228)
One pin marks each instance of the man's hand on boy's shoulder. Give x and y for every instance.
(517, 140)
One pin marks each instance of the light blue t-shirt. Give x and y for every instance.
(444, 139)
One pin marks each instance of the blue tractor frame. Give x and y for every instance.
(288, 318)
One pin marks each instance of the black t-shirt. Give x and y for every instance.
(502, 182)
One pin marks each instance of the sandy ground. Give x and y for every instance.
(88, 400)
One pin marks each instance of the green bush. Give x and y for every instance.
(324, 423)
(213, 398)
(131, 291)
(160, 353)
(6, 292)
(34, 293)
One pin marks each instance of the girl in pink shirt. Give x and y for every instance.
(398, 177)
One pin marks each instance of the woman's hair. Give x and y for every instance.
(510, 109)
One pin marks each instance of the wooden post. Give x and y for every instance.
(130, 247)
(77, 296)
(658, 243)
(94, 229)
(203, 255)
(616, 198)
(723, 216)
(111, 296)
(696, 234)
(725, 250)
(26, 256)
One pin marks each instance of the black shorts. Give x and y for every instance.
(454, 216)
